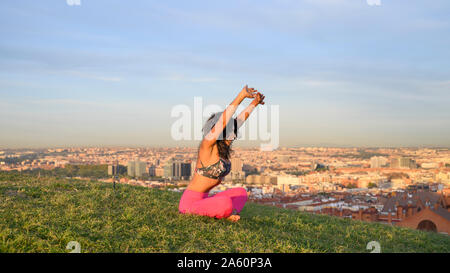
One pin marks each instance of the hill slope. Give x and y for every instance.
(43, 215)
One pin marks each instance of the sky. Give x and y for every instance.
(109, 72)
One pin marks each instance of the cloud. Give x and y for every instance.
(73, 102)
(374, 2)
(190, 79)
(94, 76)
(321, 83)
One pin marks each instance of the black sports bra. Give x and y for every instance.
(215, 171)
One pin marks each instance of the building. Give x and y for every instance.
(181, 170)
(193, 167)
(237, 165)
(435, 219)
(236, 173)
(443, 177)
(403, 163)
(136, 168)
(367, 215)
(168, 170)
(285, 181)
(261, 179)
(116, 169)
(377, 162)
(152, 171)
(131, 168)
(177, 170)
(429, 165)
(113, 170)
(141, 168)
(422, 210)
(159, 172)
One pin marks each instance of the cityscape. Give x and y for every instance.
(395, 186)
(256, 127)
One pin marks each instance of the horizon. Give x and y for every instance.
(234, 146)
(343, 73)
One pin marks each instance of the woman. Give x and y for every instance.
(213, 163)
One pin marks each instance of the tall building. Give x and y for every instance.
(177, 170)
(152, 170)
(159, 171)
(377, 162)
(116, 169)
(168, 170)
(193, 166)
(403, 163)
(113, 170)
(141, 168)
(181, 170)
(136, 168)
(131, 168)
(236, 173)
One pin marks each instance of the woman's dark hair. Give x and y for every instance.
(224, 149)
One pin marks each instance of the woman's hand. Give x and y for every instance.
(259, 99)
(247, 92)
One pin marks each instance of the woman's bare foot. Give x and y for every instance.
(234, 218)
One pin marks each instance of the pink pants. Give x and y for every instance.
(220, 205)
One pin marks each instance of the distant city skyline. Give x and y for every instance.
(344, 73)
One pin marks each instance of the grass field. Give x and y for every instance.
(43, 215)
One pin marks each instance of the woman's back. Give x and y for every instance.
(204, 180)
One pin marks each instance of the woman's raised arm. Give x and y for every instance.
(225, 117)
(243, 116)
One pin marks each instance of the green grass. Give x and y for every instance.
(43, 215)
